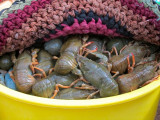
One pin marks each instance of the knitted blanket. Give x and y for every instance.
(32, 21)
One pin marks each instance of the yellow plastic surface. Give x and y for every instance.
(140, 104)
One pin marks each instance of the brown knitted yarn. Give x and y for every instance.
(55, 13)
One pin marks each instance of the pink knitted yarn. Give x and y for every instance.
(138, 20)
(84, 28)
(15, 20)
(138, 8)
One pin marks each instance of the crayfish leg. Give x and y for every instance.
(130, 68)
(80, 79)
(115, 73)
(85, 38)
(103, 46)
(41, 70)
(86, 87)
(30, 76)
(20, 51)
(91, 95)
(35, 63)
(57, 89)
(34, 59)
(55, 58)
(34, 56)
(12, 76)
(109, 67)
(51, 70)
(141, 63)
(154, 79)
(122, 49)
(32, 68)
(81, 51)
(37, 75)
(13, 57)
(107, 52)
(114, 49)
(90, 51)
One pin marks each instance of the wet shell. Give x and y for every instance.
(141, 74)
(46, 86)
(97, 43)
(72, 45)
(118, 43)
(5, 62)
(23, 74)
(53, 46)
(73, 94)
(45, 61)
(65, 63)
(98, 76)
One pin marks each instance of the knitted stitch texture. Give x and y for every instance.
(48, 19)
(13, 8)
(151, 5)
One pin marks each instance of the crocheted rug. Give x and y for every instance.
(30, 21)
(41, 20)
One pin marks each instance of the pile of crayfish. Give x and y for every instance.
(81, 67)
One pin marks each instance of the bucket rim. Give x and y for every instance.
(92, 103)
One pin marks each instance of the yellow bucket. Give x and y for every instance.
(140, 104)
